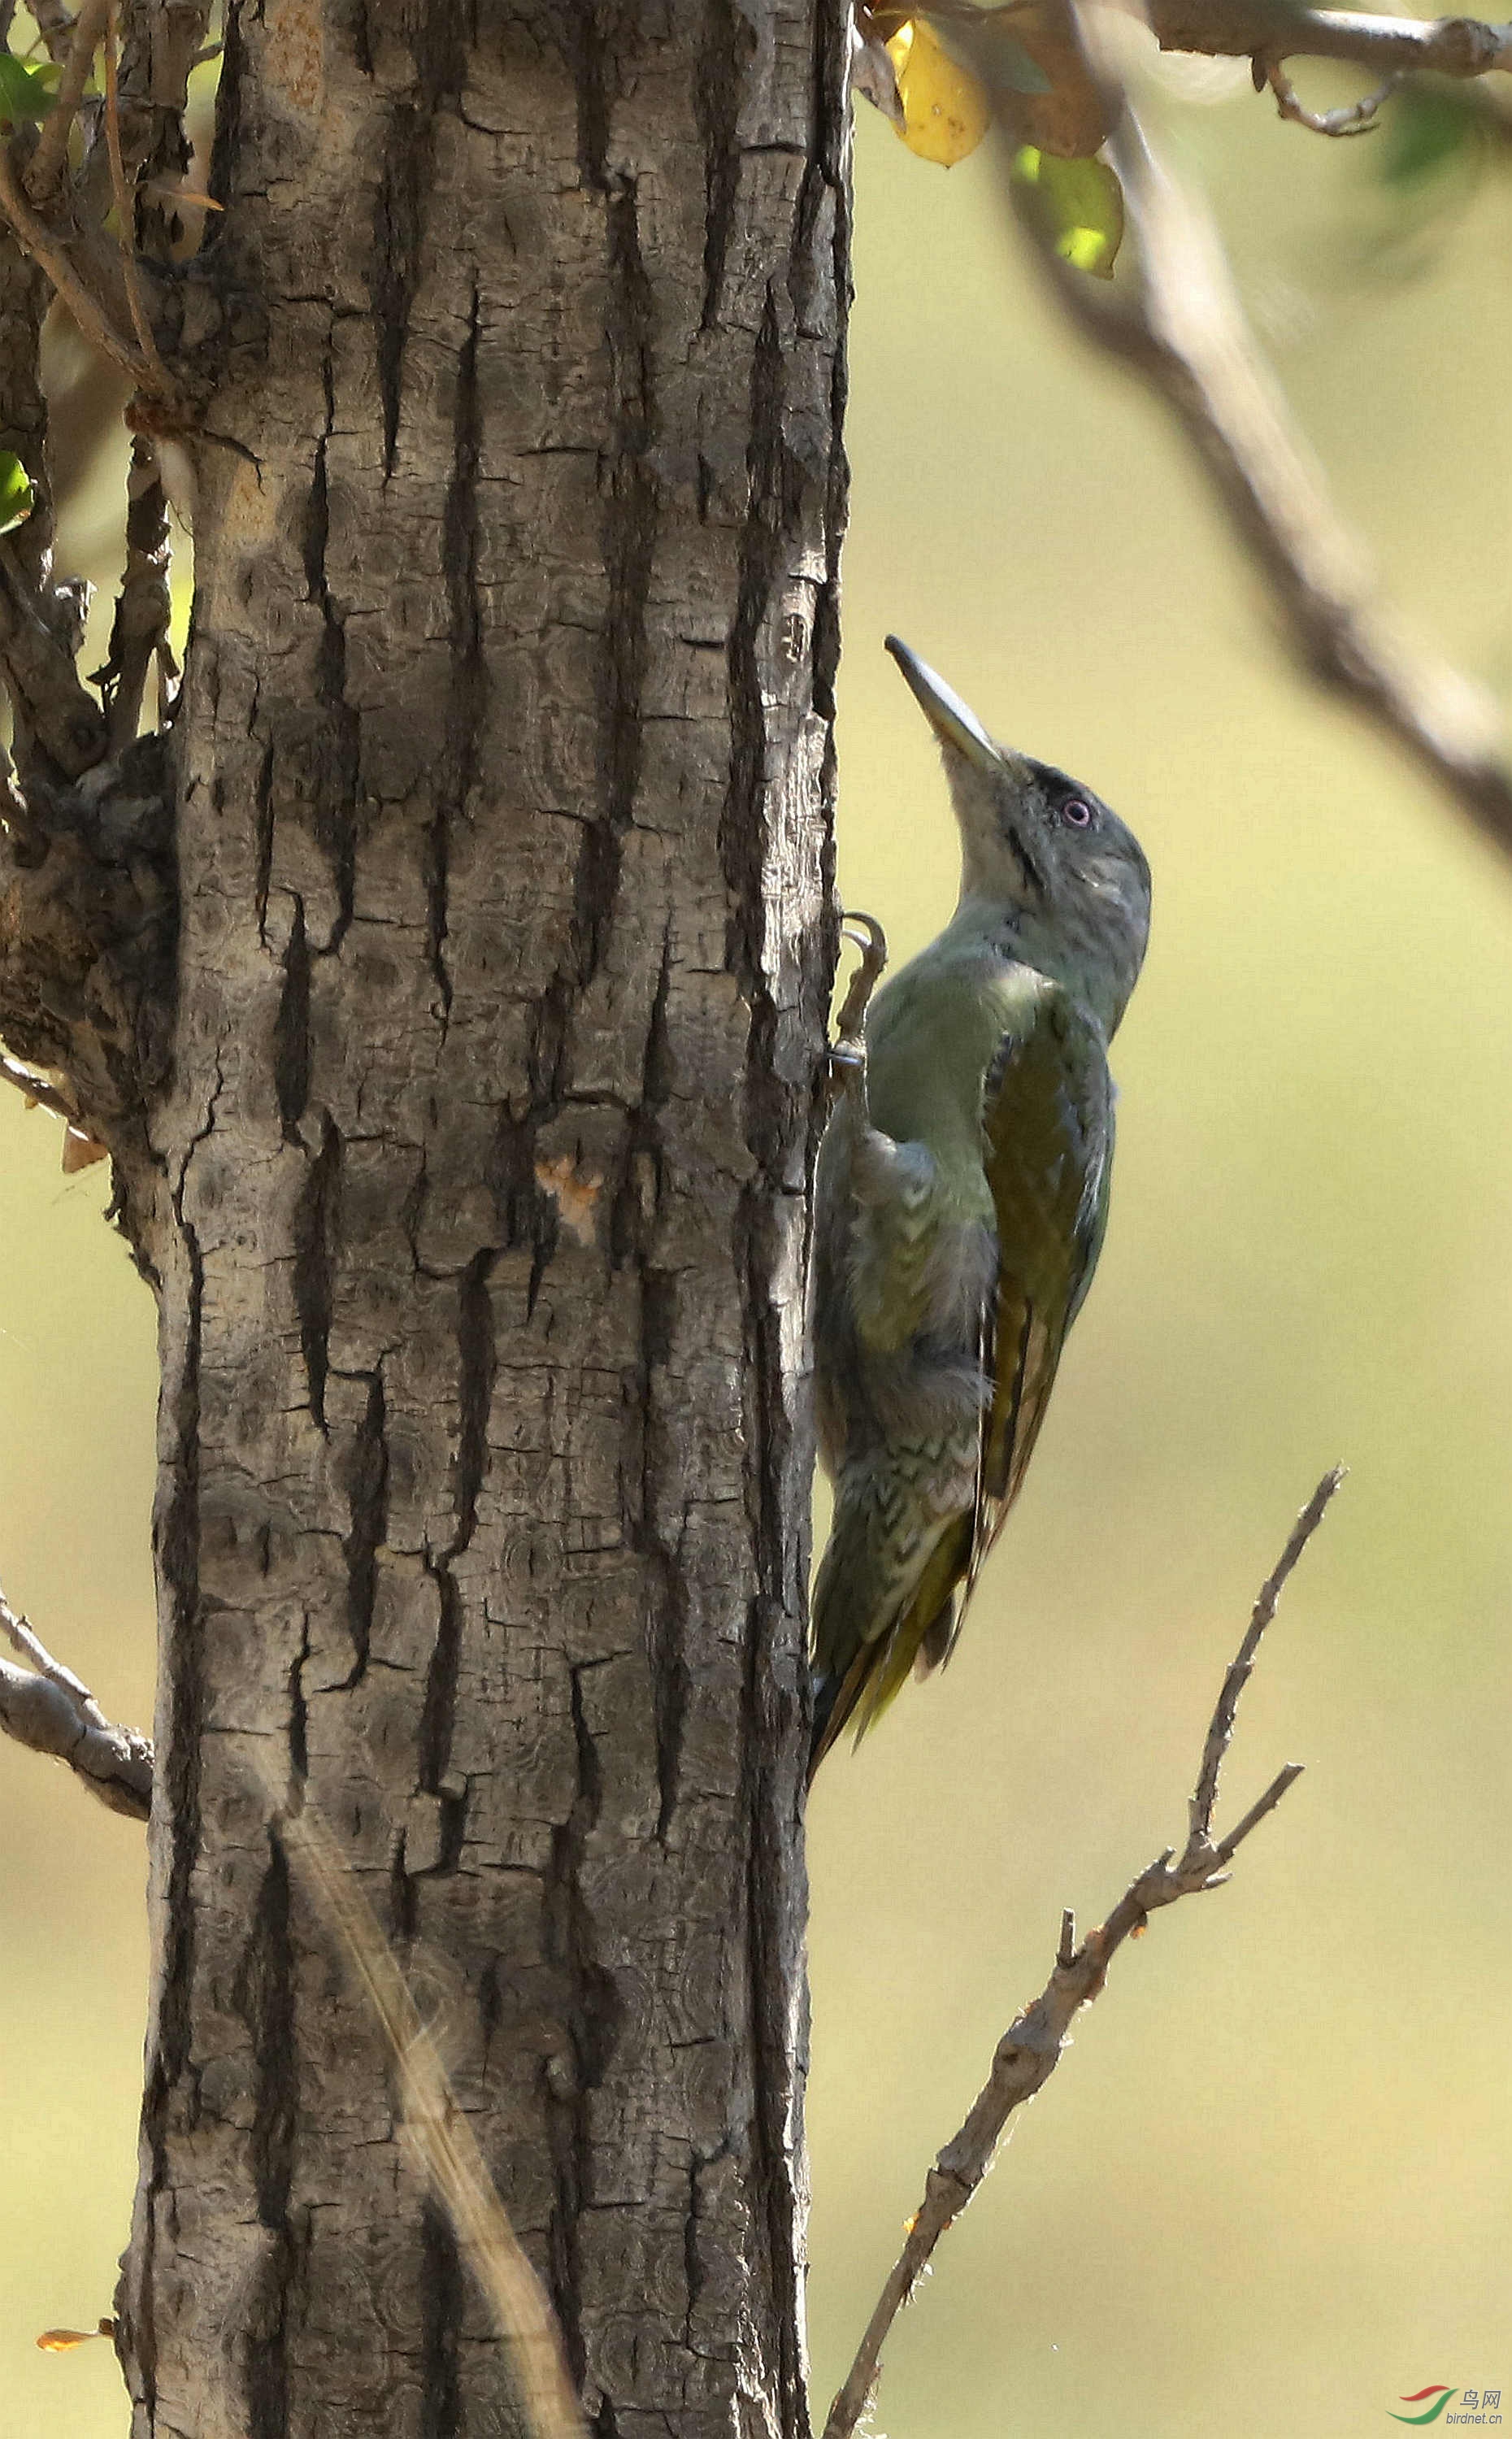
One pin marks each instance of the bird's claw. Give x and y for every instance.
(865, 932)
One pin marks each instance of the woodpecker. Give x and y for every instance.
(961, 1201)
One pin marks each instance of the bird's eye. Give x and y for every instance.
(1077, 813)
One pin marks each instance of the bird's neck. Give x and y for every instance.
(1022, 936)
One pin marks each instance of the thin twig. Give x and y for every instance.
(126, 209)
(50, 158)
(45, 1706)
(1221, 1731)
(1030, 2051)
(1353, 118)
(1251, 1820)
(1178, 322)
(441, 2138)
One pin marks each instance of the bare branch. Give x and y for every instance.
(1179, 325)
(1277, 29)
(45, 1706)
(50, 158)
(50, 253)
(441, 2139)
(1030, 2051)
(1267, 31)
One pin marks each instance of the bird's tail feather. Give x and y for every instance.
(870, 1625)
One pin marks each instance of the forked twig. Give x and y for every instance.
(1030, 2050)
(1220, 1733)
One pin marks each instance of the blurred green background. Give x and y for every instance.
(1268, 2192)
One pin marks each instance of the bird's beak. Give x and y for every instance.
(954, 722)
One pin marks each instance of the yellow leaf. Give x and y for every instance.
(946, 111)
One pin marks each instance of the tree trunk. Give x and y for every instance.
(477, 1204)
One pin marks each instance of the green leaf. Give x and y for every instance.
(1077, 205)
(17, 498)
(25, 93)
(1423, 131)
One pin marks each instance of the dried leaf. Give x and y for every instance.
(1078, 207)
(81, 1150)
(61, 2341)
(871, 71)
(946, 109)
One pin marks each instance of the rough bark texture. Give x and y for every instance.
(476, 1203)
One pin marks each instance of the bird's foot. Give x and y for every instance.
(847, 1052)
(865, 932)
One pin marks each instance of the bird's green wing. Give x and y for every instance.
(895, 1196)
(1046, 1143)
(1047, 1126)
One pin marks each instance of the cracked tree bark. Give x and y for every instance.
(472, 1185)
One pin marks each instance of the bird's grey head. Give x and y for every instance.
(1040, 855)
